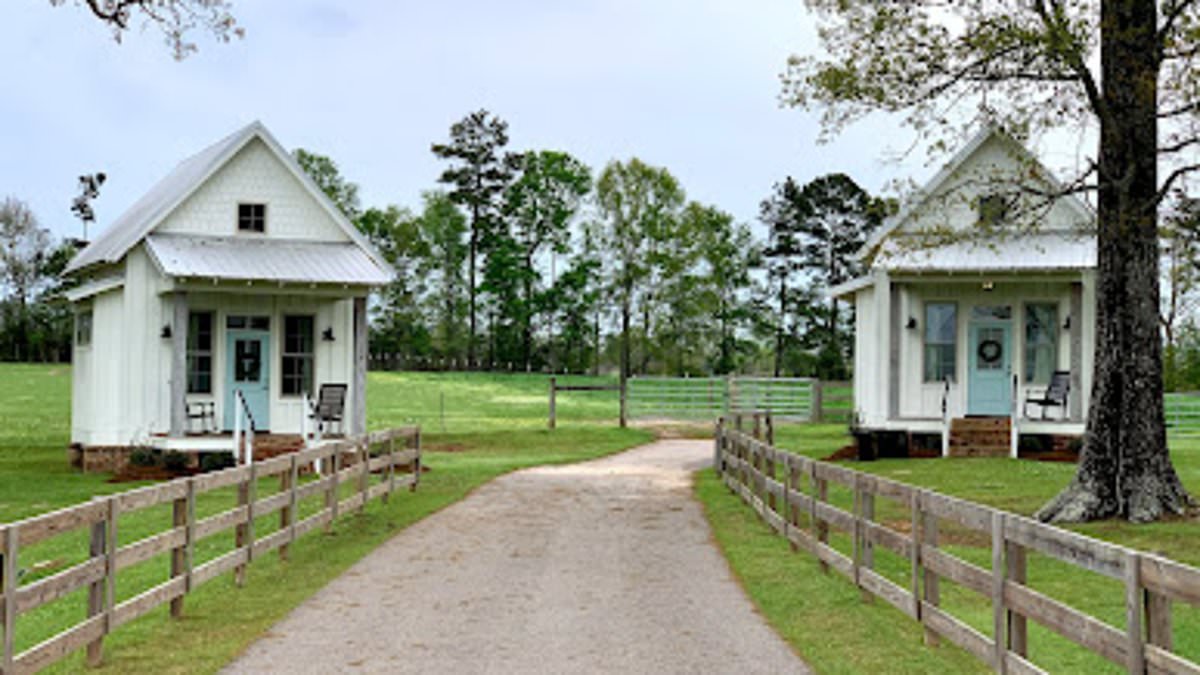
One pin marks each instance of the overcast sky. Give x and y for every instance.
(691, 85)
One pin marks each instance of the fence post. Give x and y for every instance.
(718, 439)
(1158, 620)
(1133, 613)
(416, 463)
(553, 402)
(180, 556)
(770, 429)
(866, 515)
(914, 553)
(391, 477)
(931, 591)
(8, 586)
(287, 515)
(793, 486)
(95, 603)
(818, 405)
(769, 462)
(364, 476)
(757, 426)
(244, 534)
(331, 495)
(820, 527)
(624, 387)
(999, 614)
(1018, 630)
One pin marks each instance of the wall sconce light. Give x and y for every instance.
(1067, 323)
(327, 334)
(989, 286)
(166, 332)
(911, 324)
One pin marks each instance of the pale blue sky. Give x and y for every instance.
(688, 84)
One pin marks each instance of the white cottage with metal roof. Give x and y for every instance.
(233, 282)
(980, 296)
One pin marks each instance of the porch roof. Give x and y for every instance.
(1026, 252)
(317, 262)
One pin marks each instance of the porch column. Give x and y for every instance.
(358, 414)
(179, 341)
(1075, 400)
(894, 322)
(888, 404)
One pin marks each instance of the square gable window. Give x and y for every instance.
(252, 217)
(993, 210)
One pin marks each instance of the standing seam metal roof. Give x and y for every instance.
(264, 260)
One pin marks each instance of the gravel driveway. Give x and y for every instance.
(604, 566)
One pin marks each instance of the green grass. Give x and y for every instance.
(872, 637)
(221, 620)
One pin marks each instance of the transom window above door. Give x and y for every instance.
(248, 322)
(991, 312)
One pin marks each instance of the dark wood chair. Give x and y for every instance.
(1055, 394)
(330, 407)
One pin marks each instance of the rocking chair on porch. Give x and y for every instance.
(329, 407)
(1055, 395)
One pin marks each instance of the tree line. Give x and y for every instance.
(529, 260)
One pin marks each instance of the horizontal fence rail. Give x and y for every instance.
(351, 466)
(790, 493)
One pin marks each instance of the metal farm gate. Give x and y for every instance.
(706, 398)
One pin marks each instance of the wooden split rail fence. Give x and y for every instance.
(349, 462)
(787, 490)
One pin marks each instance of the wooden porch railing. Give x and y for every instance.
(790, 493)
(354, 461)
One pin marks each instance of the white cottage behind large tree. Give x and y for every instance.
(964, 320)
(235, 273)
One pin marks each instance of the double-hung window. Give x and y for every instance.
(200, 353)
(941, 331)
(1041, 342)
(297, 366)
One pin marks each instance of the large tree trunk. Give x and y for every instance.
(1125, 470)
(779, 331)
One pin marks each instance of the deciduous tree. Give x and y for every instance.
(175, 19)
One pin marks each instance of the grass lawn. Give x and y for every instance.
(221, 620)
(858, 637)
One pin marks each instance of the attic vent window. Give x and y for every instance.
(993, 210)
(252, 217)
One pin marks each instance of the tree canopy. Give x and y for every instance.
(175, 19)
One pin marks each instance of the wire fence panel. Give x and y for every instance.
(1183, 413)
(705, 398)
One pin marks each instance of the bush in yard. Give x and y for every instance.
(175, 461)
(215, 461)
(144, 457)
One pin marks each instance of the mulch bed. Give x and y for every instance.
(133, 473)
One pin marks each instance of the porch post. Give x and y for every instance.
(894, 321)
(179, 341)
(888, 402)
(1075, 400)
(358, 415)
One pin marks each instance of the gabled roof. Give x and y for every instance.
(155, 206)
(943, 176)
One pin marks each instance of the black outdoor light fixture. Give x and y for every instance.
(166, 331)
(1067, 323)
(911, 324)
(327, 334)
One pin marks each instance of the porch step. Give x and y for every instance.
(980, 437)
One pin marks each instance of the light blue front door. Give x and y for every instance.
(989, 373)
(247, 370)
